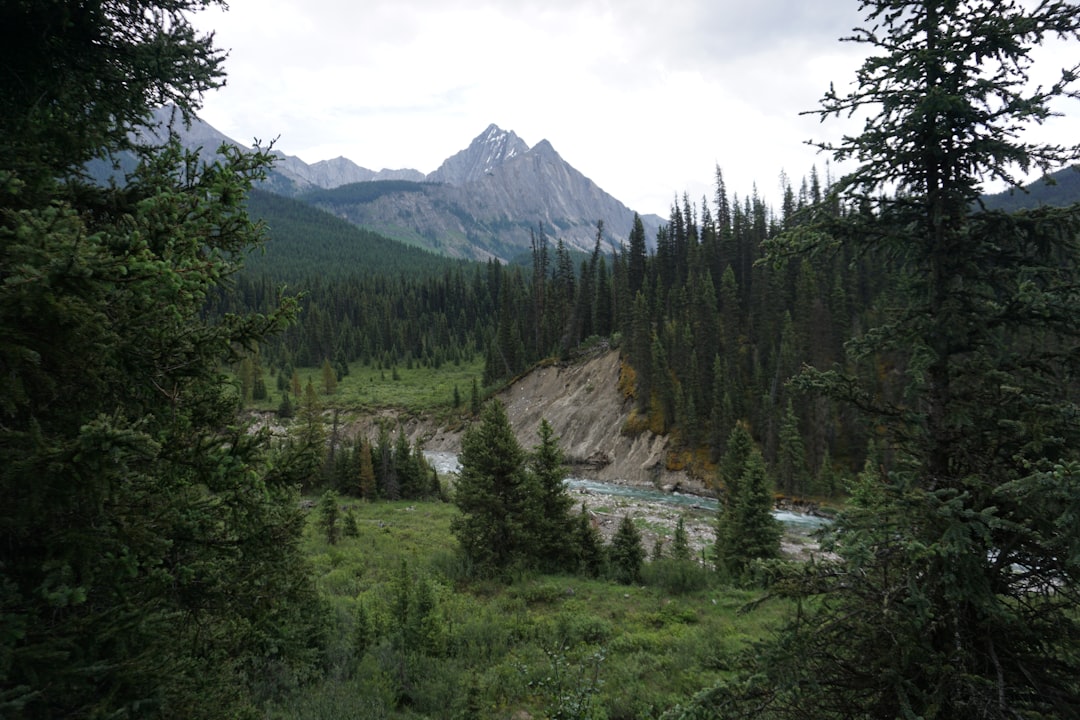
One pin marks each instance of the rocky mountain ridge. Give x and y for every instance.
(336, 172)
(491, 199)
(485, 154)
(486, 201)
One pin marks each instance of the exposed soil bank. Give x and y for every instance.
(582, 402)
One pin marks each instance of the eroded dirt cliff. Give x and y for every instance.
(582, 402)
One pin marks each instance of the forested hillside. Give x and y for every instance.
(302, 241)
(1058, 189)
(709, 335)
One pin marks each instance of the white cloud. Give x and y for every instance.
(644, 97)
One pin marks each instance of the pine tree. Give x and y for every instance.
(680, 543)
(349, 526)
(310, 435)
(409, 475)
(285, 408)
(637, 257)
(791, 457)
(245, 374)
(365, 470)
(733, 464)
(329, 378)
(475, 403)
(385, 471)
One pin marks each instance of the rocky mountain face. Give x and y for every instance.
(485, 154)
(486, 201)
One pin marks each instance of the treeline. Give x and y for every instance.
(709, 334)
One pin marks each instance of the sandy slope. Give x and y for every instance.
(582, 402)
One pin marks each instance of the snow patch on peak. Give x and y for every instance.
(494, 134)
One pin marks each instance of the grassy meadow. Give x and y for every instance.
(366, 387)
(412, 633)
(411, 636)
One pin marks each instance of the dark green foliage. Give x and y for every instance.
(151, 565)
(681, 318)
(588, 546)
(394, 471)
(514, 507)
(492, 494)
(954, 587)
(626, 553)
(360, 192)
(349, 528)
(309, 441)
(329, 514)
(680, 543)
(791, 472)
(474, 399)
(285, 409)
(305, 242)
(746, 528)
(552, 526)
(733, 465)
(73, 78)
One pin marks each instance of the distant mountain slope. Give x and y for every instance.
(483, 202)
(303, 242)
(487, 200)
(333, 173)
(1058, 189)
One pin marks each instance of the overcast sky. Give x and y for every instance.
(644, 97)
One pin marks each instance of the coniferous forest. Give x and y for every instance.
(710, 335)
(887, 342)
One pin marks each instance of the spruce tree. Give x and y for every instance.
(680, 542)
(329, 514)
(365, 470)
(955, 580)
(310, 435)
(552, 529)
(329, 378)
(626, 552)
(491, 492)
(410, 475)
(588, 546)
(791, 457)
(746, 529)
(151, 555)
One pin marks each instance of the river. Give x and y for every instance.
(447, 463)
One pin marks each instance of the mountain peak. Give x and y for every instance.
(485, 153)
